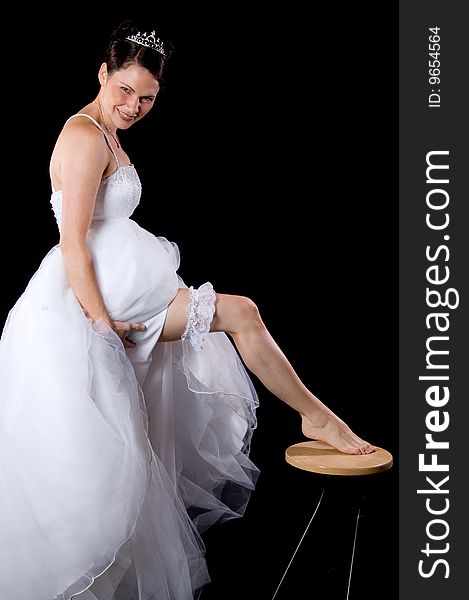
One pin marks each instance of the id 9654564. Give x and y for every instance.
(434, 67)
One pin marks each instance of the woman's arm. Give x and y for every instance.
(83, 157)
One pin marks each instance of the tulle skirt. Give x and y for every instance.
(113, 462)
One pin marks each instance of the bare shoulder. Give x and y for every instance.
(80, 136)
(80, 148)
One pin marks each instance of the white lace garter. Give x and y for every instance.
(199, 315)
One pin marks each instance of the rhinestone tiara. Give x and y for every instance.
(149, 40)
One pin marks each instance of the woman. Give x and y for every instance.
(127, 414)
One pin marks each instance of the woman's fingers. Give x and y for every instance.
(122, 328)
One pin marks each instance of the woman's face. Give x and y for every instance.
(127, 95)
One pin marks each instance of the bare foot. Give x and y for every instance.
(335, 432)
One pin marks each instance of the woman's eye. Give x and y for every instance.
(125, 89)
(146, 100)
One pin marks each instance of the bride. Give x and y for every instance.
(127, 413)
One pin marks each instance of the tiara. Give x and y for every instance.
(149, 40)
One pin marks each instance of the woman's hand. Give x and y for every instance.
(123, 329)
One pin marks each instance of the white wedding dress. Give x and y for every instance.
(113, 461)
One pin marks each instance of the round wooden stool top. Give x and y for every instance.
(320, 457)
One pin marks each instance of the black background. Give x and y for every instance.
(270, 160)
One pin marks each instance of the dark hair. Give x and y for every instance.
(121, 52)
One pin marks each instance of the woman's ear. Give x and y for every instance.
(102, 74)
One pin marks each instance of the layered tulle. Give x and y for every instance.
(113, 462)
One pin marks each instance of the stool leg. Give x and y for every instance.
(353, 554)
(299, 544)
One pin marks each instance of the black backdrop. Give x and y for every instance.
(270, 160)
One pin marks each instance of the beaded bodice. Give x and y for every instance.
(118, 196)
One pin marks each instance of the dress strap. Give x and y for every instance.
(99, 127)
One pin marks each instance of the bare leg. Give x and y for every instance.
(239, 317)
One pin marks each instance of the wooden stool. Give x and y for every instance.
(351, 469)
(320, 457)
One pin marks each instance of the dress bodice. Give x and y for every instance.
(118, 196)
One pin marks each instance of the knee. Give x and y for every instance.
(235, 314)
(246, 312)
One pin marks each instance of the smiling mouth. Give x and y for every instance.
(125, 117)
